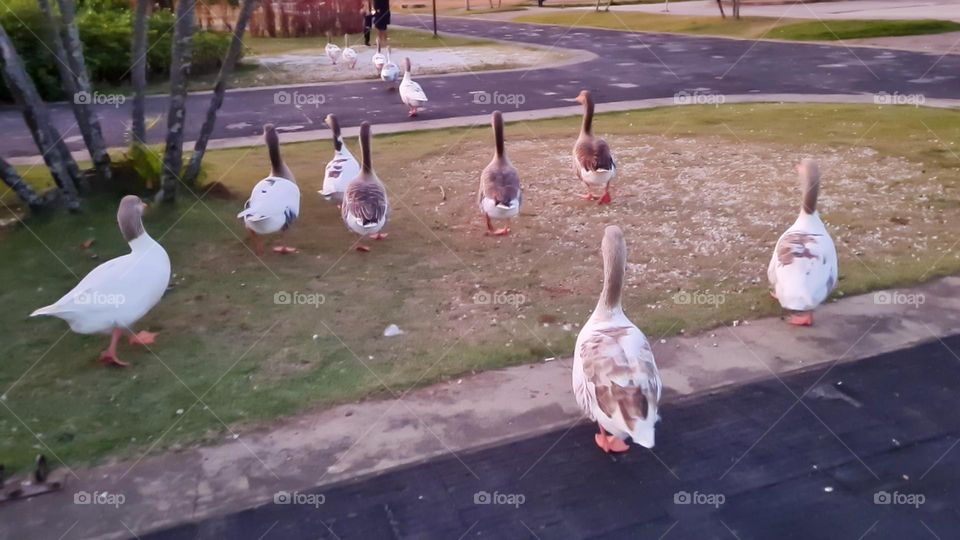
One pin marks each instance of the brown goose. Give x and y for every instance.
(365, 206)
(592, 159)
(499, 195)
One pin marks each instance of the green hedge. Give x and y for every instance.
(106, 36)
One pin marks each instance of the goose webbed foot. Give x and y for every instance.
(609, 443)
(588, 197)
(606, 199)
(142, 338)
(801, 319)
(109, 356)
(285, 250)
(379, 236)
(362, 248)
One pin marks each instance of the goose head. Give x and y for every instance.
(130, 217)
(809, 173)
(584, 97)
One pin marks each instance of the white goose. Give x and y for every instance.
(390, 71)
(378, 59)
(365, 206)
(349, 54)
(615, 378)
(116, 294)
(332, 50)
(592, 160)
(274, 203)
(411, 93)
(499, 195)
(803, 270)
(341, 169)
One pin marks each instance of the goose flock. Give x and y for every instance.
(411, 93)
(615, 378)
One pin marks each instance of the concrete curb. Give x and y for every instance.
(349, 441)
(517, 116)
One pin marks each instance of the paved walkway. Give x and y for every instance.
(850, 9)
(627, 66)
(360, 439)
(865, 449)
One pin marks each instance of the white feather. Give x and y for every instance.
(274, 202)
(117, 293)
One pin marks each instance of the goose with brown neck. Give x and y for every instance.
(365, 206)
(804, 269)
(341, 169)
(411, 93)
(592, 159)
(615, 378)
(118, 293)
(499, 196)
(274, 203)
(390, 71)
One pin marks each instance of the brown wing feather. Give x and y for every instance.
(366, 200)
(593, 153)
(500, 182)
(601, 368)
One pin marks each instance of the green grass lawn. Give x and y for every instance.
(223, 338)
(746, 27)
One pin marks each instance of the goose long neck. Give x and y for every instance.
(335, 128)
(277, 167)
(587, 126)
(498, 133)
(365, 147)
(614, 269)
(811, 190)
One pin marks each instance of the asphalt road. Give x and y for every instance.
(867, 453)
(628, 67)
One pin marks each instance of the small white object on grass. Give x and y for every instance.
(392, 330)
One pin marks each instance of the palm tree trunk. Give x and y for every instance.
(138, 70)
(233, 54)
(55, 153)
(181, 54)
(87, 119)
(23, 190)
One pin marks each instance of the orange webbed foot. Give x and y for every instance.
(803, 319)
(110, 359)
(142, 338)
(363, 248)
(606, 199)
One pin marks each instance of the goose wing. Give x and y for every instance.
(365, 201)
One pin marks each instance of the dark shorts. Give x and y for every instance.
(381, 19)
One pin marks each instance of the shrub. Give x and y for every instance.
(106, 36)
